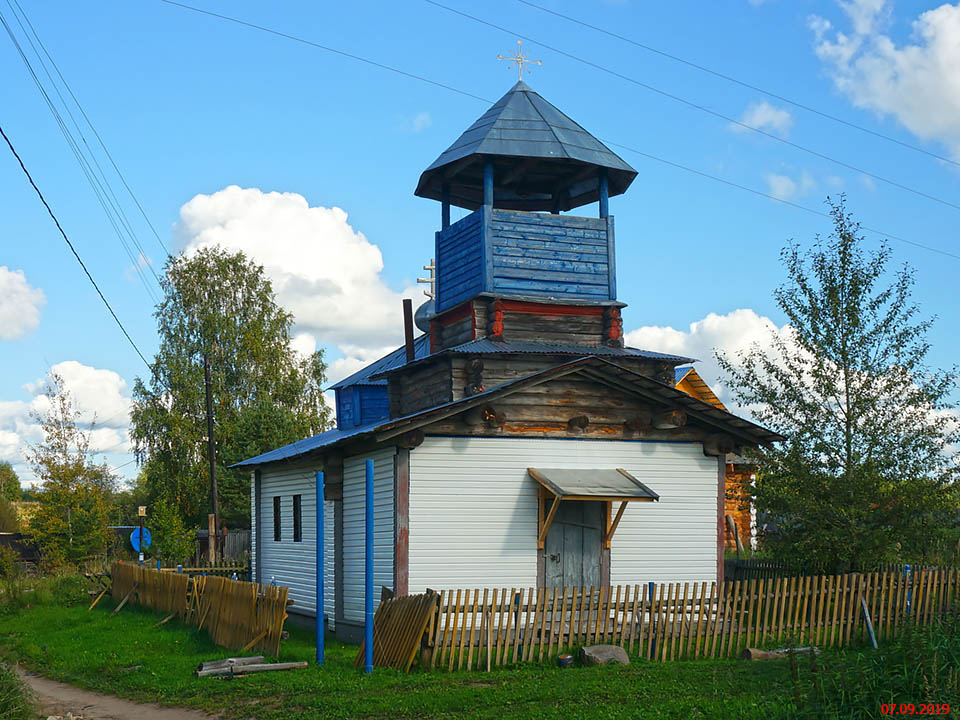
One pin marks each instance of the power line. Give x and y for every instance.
(104, 187)
(702, 108)
(685, 168)
(72, 249)
(324, 47)
(103, 145)
(102, 190)
(773, 197)
(741, 83)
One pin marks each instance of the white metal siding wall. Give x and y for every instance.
(676, 538)
(473, 514)
(294, 563)
(353, 528)
(473, 510)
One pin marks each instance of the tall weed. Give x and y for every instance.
(921, 666)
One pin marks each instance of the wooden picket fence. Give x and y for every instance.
(225, 568)
(235, 613)
(487, 628)
(398, 627)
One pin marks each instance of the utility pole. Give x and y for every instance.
(211, 451)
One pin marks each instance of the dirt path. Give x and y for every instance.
(54, 698)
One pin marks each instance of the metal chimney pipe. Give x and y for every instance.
(408, 328)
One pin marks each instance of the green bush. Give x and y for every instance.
(172, 543)
(19, 593)
(9, 563)
(920, 666)
(15, 700)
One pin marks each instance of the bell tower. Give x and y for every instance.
(521, 285)
(518, 268)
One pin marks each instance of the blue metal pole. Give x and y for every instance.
(488, 184)
(320, 570)
(368, 567)
(604, 190)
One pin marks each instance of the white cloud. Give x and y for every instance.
(323, 270)
(917, 83)
(764, 116)
(866, 15)
(422, 121)
(304, 344)
(783, 187)
(732, 333)
(98, 394)
(19, 304)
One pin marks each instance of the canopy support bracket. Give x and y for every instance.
(545, 523)
(612, 528)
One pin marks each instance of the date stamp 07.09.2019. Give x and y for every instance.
(914, 709)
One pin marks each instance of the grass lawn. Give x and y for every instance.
(96, 650)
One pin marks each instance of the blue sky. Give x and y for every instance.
(190, 106)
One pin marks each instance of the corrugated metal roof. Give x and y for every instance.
(302, 447)
(486, 345)
(593, 482)
(522, 125)
(391, 361)
(421, 346)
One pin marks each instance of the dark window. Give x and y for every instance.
(276, 518)
(297, 527)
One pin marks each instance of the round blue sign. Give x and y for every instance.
(135, 539)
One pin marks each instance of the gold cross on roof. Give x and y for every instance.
(519, 60)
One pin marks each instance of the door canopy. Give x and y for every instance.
(603, 485)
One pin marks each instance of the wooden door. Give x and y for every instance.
(573, 546)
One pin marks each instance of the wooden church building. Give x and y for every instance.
(516, 442)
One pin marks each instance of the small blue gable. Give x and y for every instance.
(362, 400)
(361, 405)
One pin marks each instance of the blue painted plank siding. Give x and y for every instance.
(524, 253)
(459, 254)
(345, 419)
(361, 405)
(374, 403)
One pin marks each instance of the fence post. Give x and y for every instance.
(906, 575)
(653, 624)
(320, 569)
(368, 567)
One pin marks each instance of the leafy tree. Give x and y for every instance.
(171, 542)
(70, 523)
(866, 474)
(9, 482)
(221, 306)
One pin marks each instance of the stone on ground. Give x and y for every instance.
(604, 655)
